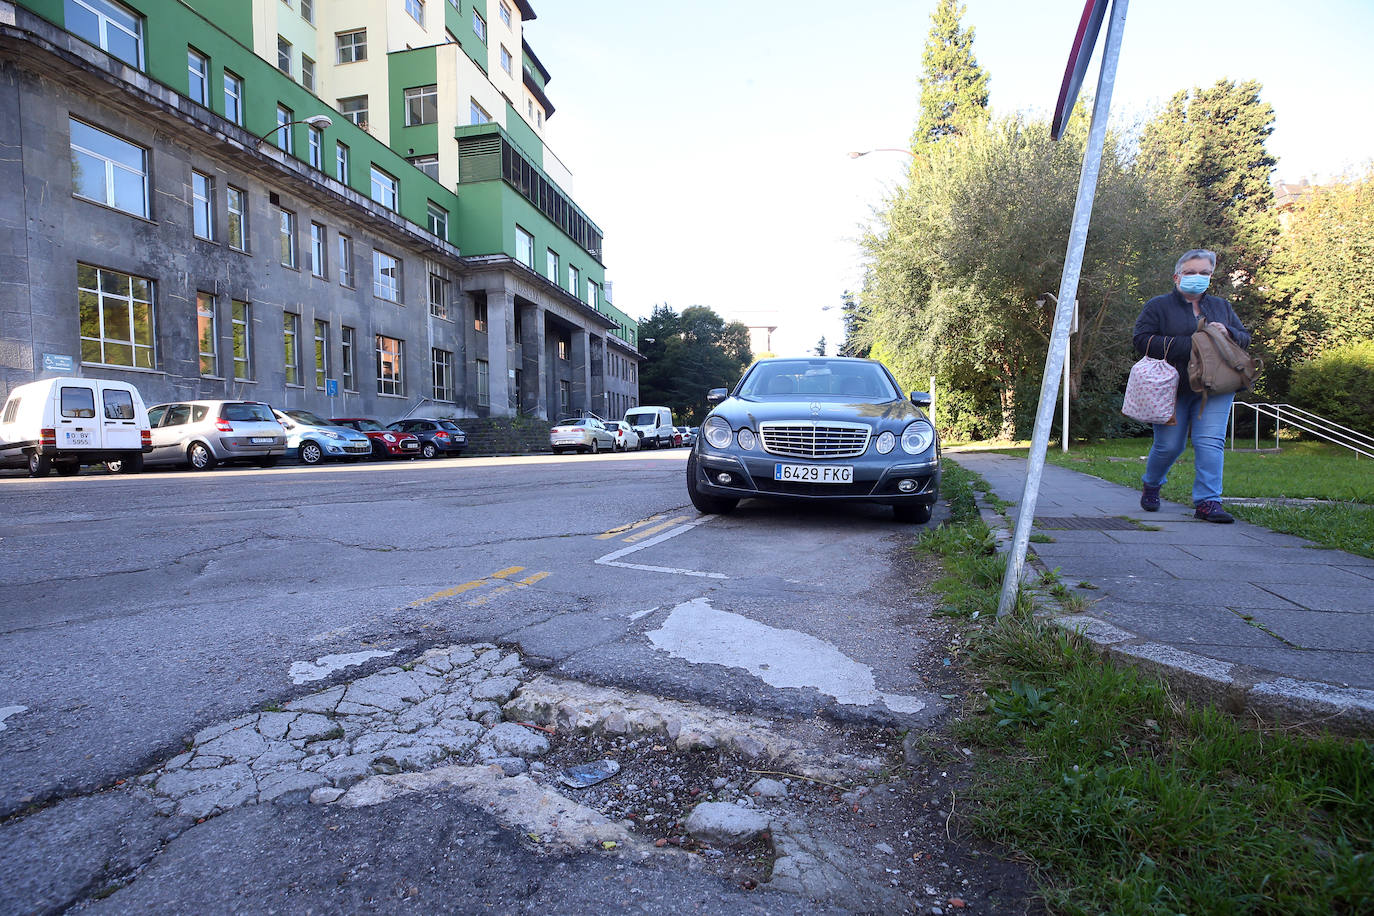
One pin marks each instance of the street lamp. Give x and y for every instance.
(320, 121)
(1073, 327)
(882, 149)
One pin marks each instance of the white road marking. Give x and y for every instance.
(322, 667)
(638, 614)
(7, 711)
(613, 559)
(699, 633)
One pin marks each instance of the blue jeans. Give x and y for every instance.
(1208, 426)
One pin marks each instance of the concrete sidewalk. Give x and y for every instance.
(1256, 621)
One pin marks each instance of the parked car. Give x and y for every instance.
(822, 428)
(386, 443)
(582, 434)
(625, 436)
(686, 434)
(677, 437)
(313, 439)
(654, 425)
(65, 422)
(202, 434)
(437, 436)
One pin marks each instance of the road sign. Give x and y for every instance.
(331, 388)
(58, 362)
(1079, 55)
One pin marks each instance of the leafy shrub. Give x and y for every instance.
(1339, 385)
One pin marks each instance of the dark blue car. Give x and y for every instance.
(822, 428)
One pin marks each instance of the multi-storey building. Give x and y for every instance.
(345, 205)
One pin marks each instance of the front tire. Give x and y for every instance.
(711, 505)
(200, 458)
(917, 514)
(311, 453)
(39, 465)
(429, 450)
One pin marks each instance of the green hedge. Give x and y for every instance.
(1338, 385)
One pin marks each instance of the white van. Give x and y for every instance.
(654, 425)
(64, 423)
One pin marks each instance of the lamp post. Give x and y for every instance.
(320, 121)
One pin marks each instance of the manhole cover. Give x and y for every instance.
(1109, 523)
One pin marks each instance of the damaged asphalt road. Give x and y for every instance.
(382, 729)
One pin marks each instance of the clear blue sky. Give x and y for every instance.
(708, 140)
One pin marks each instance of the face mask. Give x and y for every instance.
(1193, 284)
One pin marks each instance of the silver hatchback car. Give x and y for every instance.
(202, 434)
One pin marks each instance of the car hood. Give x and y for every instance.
(882, 414)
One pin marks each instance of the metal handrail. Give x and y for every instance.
(1305, 421)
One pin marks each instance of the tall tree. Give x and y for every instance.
(691, 353)
(954, 89)
(853, 313)
(820, 347)
(1210, 145)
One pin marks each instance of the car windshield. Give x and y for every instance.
(641, 419)
(812, 378)
(306, 417)
(245, 413)
(371, 426)
(449, 424)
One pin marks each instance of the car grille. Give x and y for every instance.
(815, 440)
(354, 448)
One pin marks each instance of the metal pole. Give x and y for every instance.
(1063, 312)
(1068, 353)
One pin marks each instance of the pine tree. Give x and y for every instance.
(954, 89)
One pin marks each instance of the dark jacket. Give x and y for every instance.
(1168, 321)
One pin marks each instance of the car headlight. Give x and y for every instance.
(886, 443)
(746, 439)
(389, 437)
(717, 431)
(917, 437)
(330, 434)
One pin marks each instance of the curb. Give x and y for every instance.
(1241, 690)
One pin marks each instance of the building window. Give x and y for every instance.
(347, 348)
(416, 9)
(479, 313)
(437, 218)
(283, 55)
(505, 13)
(198, 76)
(524, 247)
(438, 296)
(233, 98)
(307, 73)
(315, 146)
(352, 46)
(291, 346)
(317, 243)
(203, 205)
(443, 374)
(236, 204)
(241, 319)
(390, 363)
(205, 333)
(483, 383)
(386, 190)
(321, 353)
(564, 346)
(345, 261)
(505, 60)
(427, 164)
(551, 261)
(341, 171)
(386, 276)
(479, 26)
(477, 114)
(564, 397)
(108, 170)
(593, 294)
(288, 239)
(574, 281)
(308, 10)
(116, 313)
(422, 105)
(113, 27)
(286, 140)
(354, 108)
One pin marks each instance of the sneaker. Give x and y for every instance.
(1149, 498)
(1209, 510)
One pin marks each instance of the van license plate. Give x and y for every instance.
(76, 438)
(814, 473)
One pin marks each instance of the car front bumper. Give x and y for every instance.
(876, 480)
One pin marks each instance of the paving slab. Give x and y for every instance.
(1256, 621)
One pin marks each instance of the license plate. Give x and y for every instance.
(261, 440)
(814, 473)
(77, 438)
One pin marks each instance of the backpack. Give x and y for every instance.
(1218, 364)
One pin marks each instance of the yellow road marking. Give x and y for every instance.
(522, 583)
(630, 527)
(647, 532)
(469, 586)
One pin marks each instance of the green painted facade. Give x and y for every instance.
(409, 70)
(458, 20)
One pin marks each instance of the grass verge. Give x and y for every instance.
(1128, 800)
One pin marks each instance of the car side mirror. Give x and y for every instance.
(717, 394)
(920, 398)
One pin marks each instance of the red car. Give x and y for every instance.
(386, 443)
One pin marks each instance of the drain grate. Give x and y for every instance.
(1084, 522)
